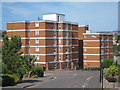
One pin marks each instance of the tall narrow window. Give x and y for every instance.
(37, 40)
(37, 32)
(37, 24)
(37, 49)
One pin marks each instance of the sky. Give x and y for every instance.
(100, 16)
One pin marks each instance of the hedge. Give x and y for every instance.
(8, 80)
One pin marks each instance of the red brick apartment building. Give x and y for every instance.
(96, 47)
(59, 44)
(52, 40)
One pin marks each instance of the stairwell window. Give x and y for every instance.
(37, 57)
(37, 32)
(37, 24)
(37, 49)
(37, 41)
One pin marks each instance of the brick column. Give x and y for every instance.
(47, 66)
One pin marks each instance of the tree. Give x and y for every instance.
(29, 63)
(11, 54)
(116, 50)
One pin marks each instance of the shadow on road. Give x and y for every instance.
(30, 81)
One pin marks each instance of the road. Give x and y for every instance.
(62, 79)
(71, 79)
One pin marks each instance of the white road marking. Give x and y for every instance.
(88, 79)
(75, 75)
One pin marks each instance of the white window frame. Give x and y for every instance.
(37, 49)
(37, 41)
(37, 24)
(37, 32)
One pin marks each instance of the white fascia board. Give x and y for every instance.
(91, 54)
(41, 30)
(91, 40)
(40, 62)
(92, 47)
(91, 61)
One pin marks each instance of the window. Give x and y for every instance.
(102, 44)
(55, 57)
(85, 57)
(85, 50)
(85, 43)
(59, 41)
(66, 34)
(59, 49)
(59, 26)
(55, 65)
(54, 49)
(60, 33)
(37, 32)
(102, 51)
(66, 56)
(66, 26)
(84, 36)
(55, 42)
(36, 24)
(85, 63)
(66, 41)
(37, 41)
(37, 64)
(67, 64)
(36, 48)
(54, 26)
(66, 49)
(54, 34)
(37, 57)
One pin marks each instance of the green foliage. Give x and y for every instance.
(0, 81)
(119, 76)
(11, 54)
(12, 60)
(39, 71)
(107, 63)
(117, 38)
(112, 71)
(8, 80)
(21, 72)
(116, 49)
(29, 63)
(17, 78)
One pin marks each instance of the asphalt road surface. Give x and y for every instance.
(70, 79)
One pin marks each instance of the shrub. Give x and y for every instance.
(17, 78)
(107, 63)
(8, 80)
(119, 76)
(21, 72)
(112, 71)
(0, 81)
(39, 71)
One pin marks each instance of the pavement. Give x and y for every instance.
(62, 79)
